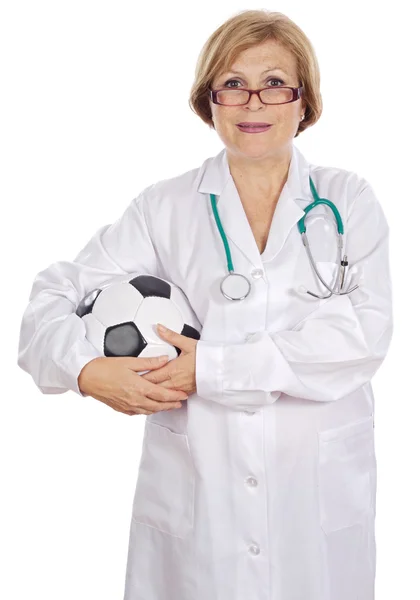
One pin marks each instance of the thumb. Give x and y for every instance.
(142, 364)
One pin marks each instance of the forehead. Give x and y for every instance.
(262, 58)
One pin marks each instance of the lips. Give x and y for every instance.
(254, 124)
(253, 128)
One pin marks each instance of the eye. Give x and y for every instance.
(270, 79)
(276, 79)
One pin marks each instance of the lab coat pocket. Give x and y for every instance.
(328, 272)
(306, 280)
(164, 496)
(347, 474)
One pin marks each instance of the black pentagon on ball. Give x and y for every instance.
(86, 303)
(123, 339)
(190, 332)
(148, 285)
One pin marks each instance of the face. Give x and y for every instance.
(265, 65)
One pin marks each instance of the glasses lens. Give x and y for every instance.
(276, 95)
(269, 96)
(232, 97)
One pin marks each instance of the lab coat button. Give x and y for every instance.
(257, 273)
(251, 481)
(254, 549)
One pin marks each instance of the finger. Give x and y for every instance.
(162, 394)
(159, 379)
(144, 364)
(169, 384)
(176, 339)
(156, 376)
(153, 406)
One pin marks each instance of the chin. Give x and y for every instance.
(254, 150)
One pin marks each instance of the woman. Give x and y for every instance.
(263, 483)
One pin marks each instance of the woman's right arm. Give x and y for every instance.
(53, 348)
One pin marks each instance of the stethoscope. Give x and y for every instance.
(236, 286)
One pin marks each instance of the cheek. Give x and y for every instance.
(226, 124)
(287, 123)
(223, 116)
(287, 115)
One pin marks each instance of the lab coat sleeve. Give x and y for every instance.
(335, 350)
(52, 345)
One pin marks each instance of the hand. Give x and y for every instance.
(179, 373)
(115, 381)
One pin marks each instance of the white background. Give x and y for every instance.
(81, 136)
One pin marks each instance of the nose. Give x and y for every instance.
(254, 101)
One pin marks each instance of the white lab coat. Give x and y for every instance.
(263, 485)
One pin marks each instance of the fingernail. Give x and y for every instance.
(163, 358)
(161, 327)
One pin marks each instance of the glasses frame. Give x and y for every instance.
(297, 93)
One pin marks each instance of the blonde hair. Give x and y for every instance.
(242, 31)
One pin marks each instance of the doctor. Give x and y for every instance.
(261, 485)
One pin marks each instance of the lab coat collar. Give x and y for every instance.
(215, 178)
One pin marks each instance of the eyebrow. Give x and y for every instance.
(266, 71)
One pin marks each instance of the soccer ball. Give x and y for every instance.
(121, 316)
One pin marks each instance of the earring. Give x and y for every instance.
(302, 117)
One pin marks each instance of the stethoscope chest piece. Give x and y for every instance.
(235, 286)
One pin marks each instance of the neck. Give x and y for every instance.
(264, 176)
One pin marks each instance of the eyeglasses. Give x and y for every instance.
(270, 95)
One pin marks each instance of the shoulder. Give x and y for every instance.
(343, 186)
(345, 180)
(354, 196)
(177, 189)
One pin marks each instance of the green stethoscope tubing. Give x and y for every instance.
(316, 202)
(222, 233)
(302, 230)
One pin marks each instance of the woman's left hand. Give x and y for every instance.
(179, 373)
